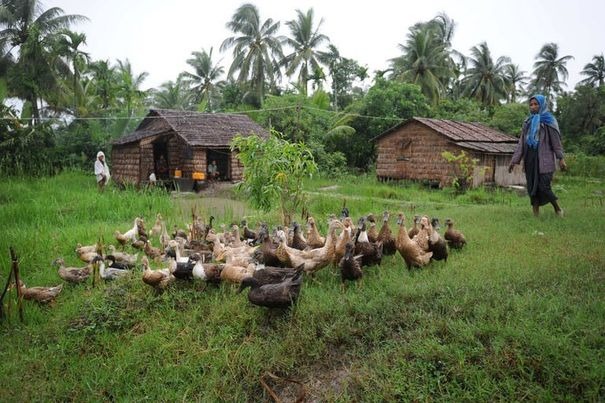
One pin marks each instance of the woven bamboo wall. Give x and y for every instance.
(125, 163)
(414, 152)
(237, 169)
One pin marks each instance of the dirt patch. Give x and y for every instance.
(328, 188)
(217, 199)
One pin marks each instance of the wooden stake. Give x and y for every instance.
(15, 265)
(8, 282)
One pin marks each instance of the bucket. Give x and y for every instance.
(178, 173)
(199, 176)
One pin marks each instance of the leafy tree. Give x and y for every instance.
(274, 170)
(386, 104)
(304, 42)
(509, 118)
(550, 71)
(595, 71)
(206, 78)
(30, 31)
(256, 50)
(343, 72)
(463, 109)
(581, 112)
(484, 79)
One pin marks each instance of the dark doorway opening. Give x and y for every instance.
(160, 160)
(221, 157)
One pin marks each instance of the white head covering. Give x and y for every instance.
(100, 153)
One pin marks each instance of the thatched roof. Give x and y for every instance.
(474, 136)
(196, 128)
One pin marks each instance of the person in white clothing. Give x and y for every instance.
(101, 171)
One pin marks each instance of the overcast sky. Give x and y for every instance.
(158, 36)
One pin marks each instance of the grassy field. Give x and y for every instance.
(517, 315)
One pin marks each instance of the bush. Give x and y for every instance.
(580, 164)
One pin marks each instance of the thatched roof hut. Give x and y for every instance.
(170, 140)
(412, 150)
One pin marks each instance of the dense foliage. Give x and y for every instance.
(74, 105)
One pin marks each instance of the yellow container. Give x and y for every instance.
(199, 176)
(178, 173)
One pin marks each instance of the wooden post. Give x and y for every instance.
(15, 266)
(8, 282)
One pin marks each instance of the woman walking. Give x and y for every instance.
(539, 144)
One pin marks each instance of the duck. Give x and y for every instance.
(268, 248)
(414, 230)
(273, 275)
(454, 237)
(410, 251)
(72, 274)
(208, 272)
(437, 244)
(114, 264)
(298, 240)
(278, 295)
(314, 239)
(43, 295)
(158, 279)
(123, 257)
(343, 238)
(158, 226)
(128, 236)
(422, 237)
(386, 236)
(235, 273)
(313, 259)
(372, 231)
(350, 265)
(184, 270)
(108, 273)
(371, 253)
(152, 252)
(249, 235)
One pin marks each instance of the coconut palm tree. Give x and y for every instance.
(174, 95)
(550, 72)
(594, 72)
(129, 86)
(206, 77)
(304, 42)
(104, 79)
(485, 80)
(28, 31)
(69, 43)
(425, 61)
(515, 79)
(256, 49)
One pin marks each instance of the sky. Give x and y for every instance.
(158, 36)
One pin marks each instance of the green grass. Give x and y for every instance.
(517, 315)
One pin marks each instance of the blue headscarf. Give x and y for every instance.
(543, 116)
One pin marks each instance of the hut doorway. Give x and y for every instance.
(221, 157)
(160, 160)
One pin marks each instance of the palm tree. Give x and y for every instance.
(256, 49)
(104, 78)
(174, 95)
(69, 42)
(30, 31)
(550, 72)
(515, 78)
(595, 71)
(205, 79)
(485, 80)
(425, 61)
(304, 42)
(128, 86)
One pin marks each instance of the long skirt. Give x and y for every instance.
(538, 185)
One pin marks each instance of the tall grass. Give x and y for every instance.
(517, 315)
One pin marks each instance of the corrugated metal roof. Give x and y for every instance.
(196, 128)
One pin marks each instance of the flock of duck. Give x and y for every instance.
(270, 263)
